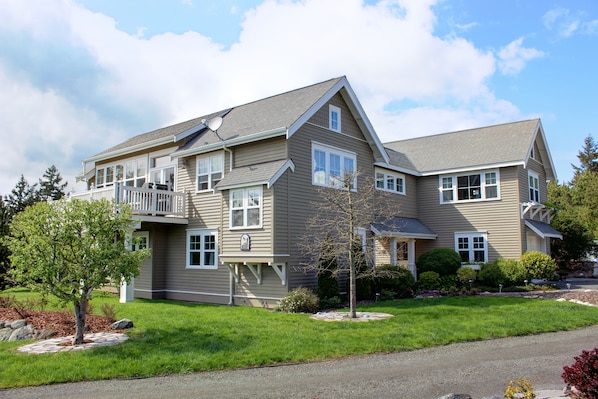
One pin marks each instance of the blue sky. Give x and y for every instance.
(78, 76)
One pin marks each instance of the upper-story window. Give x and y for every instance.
(334, 118)
(393, 182)
(534, 187)
(469, 187)
(162, 171)
(330, 165)
(133, 172)
(532, 153)
(210, 170)
(246, 207)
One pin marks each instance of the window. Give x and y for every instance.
(534, 188)
(209, 171)
(162, 171)
(532, 153)
(394, 183)
(334, 118)
(246, 207)
(469, 187)
(402, 251)
(140, 240)
(471, 247)
(202, 249)
(131, 171)
(330, 165)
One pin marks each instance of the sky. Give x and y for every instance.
(79, 76)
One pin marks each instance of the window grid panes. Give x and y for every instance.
(246, 207)
(471, 247)
(209, 171)
(202, 249)
(534, 188)
(132, 172)
(335, 118)
(470, 187)
(331, 165)
(390, 182)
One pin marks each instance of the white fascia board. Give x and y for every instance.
(472, 168)
(281, 131)
(123, 151)
(342, 83)
(384, 233)
(397, 169)
(545, 151)
(287, 165)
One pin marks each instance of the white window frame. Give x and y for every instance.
(533, 182)
(473, 243)
(386, 181)
(202, 250)
(334, 118)
(211, 173)
(109, 174)
(449, 191)
(329, 179)
(140, 240)
(246, 206)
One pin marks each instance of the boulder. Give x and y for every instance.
(18, 324)
(5, 334)
(122, 324)
(22, 333)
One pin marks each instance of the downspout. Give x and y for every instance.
(230, 159)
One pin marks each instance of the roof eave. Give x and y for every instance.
(472, 168)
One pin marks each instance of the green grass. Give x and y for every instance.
(174, 337)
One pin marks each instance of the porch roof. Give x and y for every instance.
(544, 230)
(402, 227)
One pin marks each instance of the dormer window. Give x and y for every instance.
(334, 118)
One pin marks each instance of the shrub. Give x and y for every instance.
(520, 388)
(299, 300)
(583, 375)
(449, 282)
(327, 285)
(491, 275)
(330, 303)
(465, 274)
(444, 261)
(396, 279)
(387, 295)
(429, 281)
(538, 265)
(108, 311)
(513, 271)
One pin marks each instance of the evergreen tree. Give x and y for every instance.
(50, 187)
(21, 196)
(588, 157)
(4, 252)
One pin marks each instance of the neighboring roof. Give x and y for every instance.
(402, 227)
(492, 146)
(544, 230)
(264, 173)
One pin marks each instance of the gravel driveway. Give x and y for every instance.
(482, 369)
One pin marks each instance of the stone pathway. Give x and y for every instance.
(344, 316)
(62, 344)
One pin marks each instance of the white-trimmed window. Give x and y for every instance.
(246, 207)
(334, 118)
(140, 240)
(210, 170)
(472, 247)
(469, 187)
(133, 172)
(402, 251)
(534, 187)
(202, 249)
(330, 165)
(162, 171)
(393, 182)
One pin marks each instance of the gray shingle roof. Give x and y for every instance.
(493, 145)
(543, 229)
(403, 227)
(262, 173)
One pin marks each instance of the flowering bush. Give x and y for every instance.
(299, 300)
(583, 375)
(520, 388)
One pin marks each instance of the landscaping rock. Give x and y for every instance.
(122, 324)
(455, 396)
(18, 324)
(5, 334)
(22, 333)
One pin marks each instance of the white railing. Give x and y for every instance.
(144, 201)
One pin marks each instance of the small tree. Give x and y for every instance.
(69, 248)
(339, 211)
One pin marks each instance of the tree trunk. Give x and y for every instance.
(80, 313)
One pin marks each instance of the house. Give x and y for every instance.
(222, 199)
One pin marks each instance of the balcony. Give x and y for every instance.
(154, 200)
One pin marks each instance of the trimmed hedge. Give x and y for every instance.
(444, 261)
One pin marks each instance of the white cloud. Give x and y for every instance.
(568, 23)
(514, 57)
(388, 51)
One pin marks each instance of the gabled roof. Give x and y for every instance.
(264, 173)
(502, 145)
(402, 227)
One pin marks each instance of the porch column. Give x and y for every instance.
(393, 251)
(411, 258)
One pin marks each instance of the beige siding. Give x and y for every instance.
(499, 218)
(266, 294)
(259, 152)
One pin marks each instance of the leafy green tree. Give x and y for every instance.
(588, 157)
(50, 186)
(22, 196)
(69, 248)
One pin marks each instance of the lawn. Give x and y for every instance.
(176, 337)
